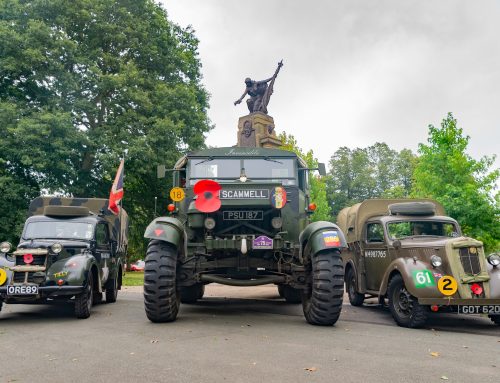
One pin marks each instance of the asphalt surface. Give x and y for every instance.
(240, 335)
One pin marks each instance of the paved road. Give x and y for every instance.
(253, 336)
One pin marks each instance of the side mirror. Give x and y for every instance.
(321, 169)
(396, 244)
(160, 171)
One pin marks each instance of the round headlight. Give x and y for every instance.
(209, 223)
(277, 222)
(5, 247)
(56, 248)
(494, 260)
(436, 261)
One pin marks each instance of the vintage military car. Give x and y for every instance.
(70, 249)
(242, 219)
(409, 252)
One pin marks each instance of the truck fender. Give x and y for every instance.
(321, 235)
(168, 229)
(74, 270)
(406, 268)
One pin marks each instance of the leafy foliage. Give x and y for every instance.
(318, 184)
(463, 185)
(374, 172)
(81, 84)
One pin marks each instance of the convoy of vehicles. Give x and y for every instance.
(70, 249)
(410, 253)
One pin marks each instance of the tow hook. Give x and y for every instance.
(244, 249)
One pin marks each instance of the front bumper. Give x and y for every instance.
(458, 302)
(47, 291)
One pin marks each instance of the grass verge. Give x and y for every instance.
(133, 278)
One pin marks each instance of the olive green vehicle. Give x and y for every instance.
(260, 234)
(411, 253)
(71, 249)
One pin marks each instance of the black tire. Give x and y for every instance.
(405, 309)
(291, 294)
(494, 318)
(161, 296)
(112, 290)
(322, 300)
(355, 298)
(191, 294)
(84, 300)
(1, 304)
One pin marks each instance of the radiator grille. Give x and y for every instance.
(470, 260)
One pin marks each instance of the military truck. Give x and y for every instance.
(411, 253)
(71, 249)
(242, 219)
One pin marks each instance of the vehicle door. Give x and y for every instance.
(375, 254)
(103, 250)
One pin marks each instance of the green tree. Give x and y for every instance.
(462, 184)
(318, 184)
(81, 83)
(374, 172)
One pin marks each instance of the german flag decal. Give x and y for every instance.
(331, 238)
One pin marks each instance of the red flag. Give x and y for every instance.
(116, 194)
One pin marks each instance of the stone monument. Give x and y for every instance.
(257, 128)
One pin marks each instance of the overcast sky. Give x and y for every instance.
(355, 72)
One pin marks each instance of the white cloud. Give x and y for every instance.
(356, 71)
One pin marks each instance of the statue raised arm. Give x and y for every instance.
(259, 92)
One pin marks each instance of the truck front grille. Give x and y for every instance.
(38, 260)
(470, 260)
(19, 277)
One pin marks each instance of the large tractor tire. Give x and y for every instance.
(405, 309)
(322, 301)
(191, 294)
(355, 298)
(161, 295)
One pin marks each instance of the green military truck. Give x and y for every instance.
(411, 253)
(242, 219)
(70, 249)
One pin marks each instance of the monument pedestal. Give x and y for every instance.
(257, 130)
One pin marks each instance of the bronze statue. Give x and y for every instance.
(259, 92)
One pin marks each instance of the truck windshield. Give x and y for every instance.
(274, 169)
(403, 229)
(58, 230)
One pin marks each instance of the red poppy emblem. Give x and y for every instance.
(207, 192)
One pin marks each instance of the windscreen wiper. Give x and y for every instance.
(272, 160)
(205, 160)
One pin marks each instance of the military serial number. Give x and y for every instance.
(478, 309)
(375, 253)
(243, 215)
(22, 290)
